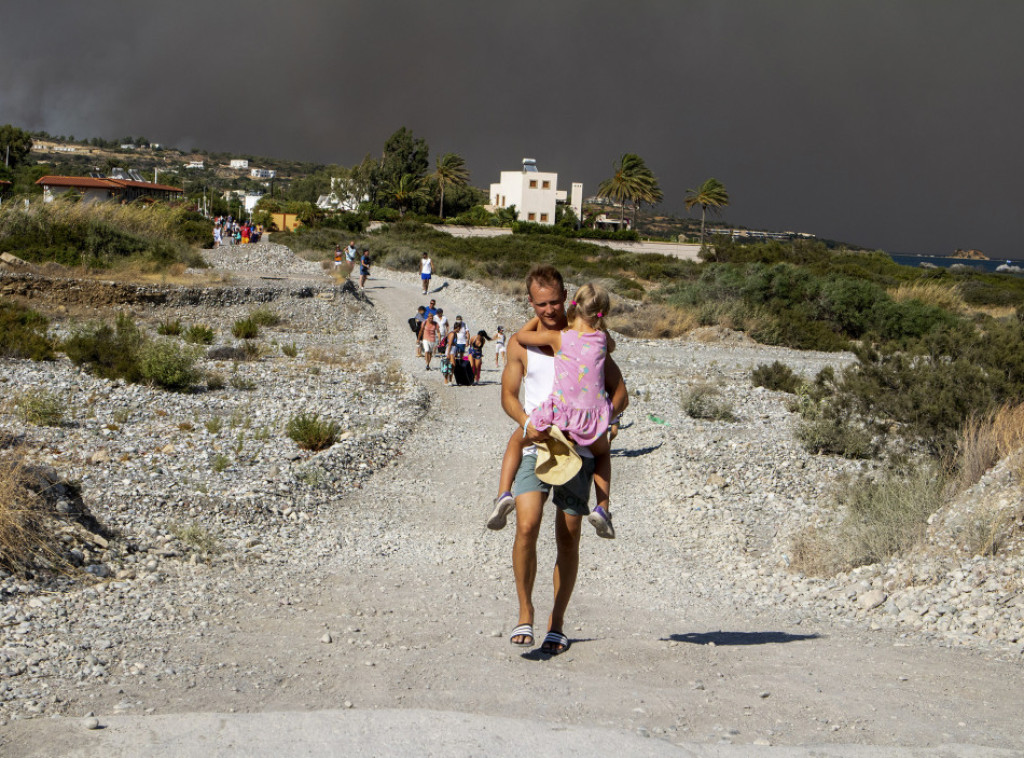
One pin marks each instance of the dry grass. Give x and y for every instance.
(994, 531)
(998, 312)
(24, 538)
(651, 320)
(986, 440)
(511, 287)
(881, 517)
(334, 356)
(930, 293)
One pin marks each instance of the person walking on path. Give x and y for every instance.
(350, 257)
(532, 370)
(476, 352)
(426, 269)
(499, 347)
(364, 268)
(578, 405)
(428, 336)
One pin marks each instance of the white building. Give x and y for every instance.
(532, 192)
(239, 163)
(262, 173)
(195, 165)
(248, 199)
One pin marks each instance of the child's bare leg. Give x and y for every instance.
(602, 451)
(510, 461)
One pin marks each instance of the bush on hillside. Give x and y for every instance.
(168, 365)
(23, 333)
(776, 376)
(105, 350)
(310, 432)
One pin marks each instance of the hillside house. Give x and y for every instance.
(239, 163)
(96, 189)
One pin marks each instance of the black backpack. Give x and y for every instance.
(414, 324)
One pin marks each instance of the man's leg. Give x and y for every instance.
(571, 507)
(529, 509)
(567, 564)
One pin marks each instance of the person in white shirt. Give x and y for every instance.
(442, 323)
(532, 370)
(426, 270)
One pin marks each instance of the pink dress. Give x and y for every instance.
(578, 404)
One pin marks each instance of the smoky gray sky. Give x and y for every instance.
(897, 125)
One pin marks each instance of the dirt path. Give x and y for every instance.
(418, 600)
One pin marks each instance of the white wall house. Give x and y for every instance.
(262, 173)
(239, 163)
(532, 192)
(195, 165)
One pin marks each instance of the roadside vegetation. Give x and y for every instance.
(103, 235)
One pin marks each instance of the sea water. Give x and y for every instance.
(986, 266)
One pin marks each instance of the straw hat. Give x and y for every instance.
(557, 459)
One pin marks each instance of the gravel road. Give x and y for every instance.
(363, 578)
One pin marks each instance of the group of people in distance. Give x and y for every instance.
(347, 257)
(455, 345)
(227, 228)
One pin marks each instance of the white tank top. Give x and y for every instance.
(538, 384)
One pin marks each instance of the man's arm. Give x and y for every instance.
(615, 387)
(511, 382)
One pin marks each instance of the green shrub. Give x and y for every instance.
(291, 349)
(831, 434)
(110, 352)
(215, 381)
(245, 329)
(23, 333)
(220, 462)
(310, 433)
(703, 401)
(40, 407)
(169, 328)
(777, 376)
(168, 365)
(242, 383)
(98, 234)
(199, 334)
(264, 317)
(214, 425)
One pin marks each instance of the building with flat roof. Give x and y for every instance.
(532, 192)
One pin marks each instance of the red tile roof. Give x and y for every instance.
(88, 182)
(145, 185)
(76, 181)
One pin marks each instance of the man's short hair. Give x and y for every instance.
(546, 276)
(421, 308)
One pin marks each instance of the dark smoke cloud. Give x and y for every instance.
(892, 124)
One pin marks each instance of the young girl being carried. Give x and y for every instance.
(578, 404)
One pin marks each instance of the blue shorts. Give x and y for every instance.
(425, 277)
(571, 498)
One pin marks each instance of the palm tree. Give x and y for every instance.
(711, 194)
(632, 181)
(406, 191)
(451, 172)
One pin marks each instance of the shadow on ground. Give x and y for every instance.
(740, 638)
(635, 452)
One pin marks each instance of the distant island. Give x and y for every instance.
(972, 255)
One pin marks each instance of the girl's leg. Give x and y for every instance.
(504, 503)
(602, 470)
(510, 461)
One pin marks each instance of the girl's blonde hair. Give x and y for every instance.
(591, 303)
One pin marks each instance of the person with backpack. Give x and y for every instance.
(415, 322)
